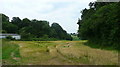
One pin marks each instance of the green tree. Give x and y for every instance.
(34, 29)
(4, 18)
(9, 27)
(101, 25)
(59, 32)
(16, 21)
(25, 22)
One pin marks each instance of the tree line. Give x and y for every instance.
(100, 24)
(34, 29)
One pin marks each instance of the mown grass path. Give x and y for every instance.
(63, 53)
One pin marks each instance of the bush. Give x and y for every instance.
(10, 38)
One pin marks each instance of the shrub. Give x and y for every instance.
(10, 38)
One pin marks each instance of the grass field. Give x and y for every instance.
(0, 52)
(10, 52)
(75, 38)
(56, 53)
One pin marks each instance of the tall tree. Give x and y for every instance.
(4, 18)
(101, 26)
(59, 32)
(16, 20)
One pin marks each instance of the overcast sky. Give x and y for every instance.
(64, 12)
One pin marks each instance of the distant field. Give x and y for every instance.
(58, 53)
(75, 38)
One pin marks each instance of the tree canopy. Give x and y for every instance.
(34, 29)
(101, 24)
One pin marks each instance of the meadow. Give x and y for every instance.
(56, 53)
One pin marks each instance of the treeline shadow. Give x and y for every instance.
(97, 46)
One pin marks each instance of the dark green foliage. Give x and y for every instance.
(25, 22)
(9, 27)
(5, 18)
(10, 38)
(16, 20)
(101, 24)
(59, 32)
(3, 31)
(34, 29)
